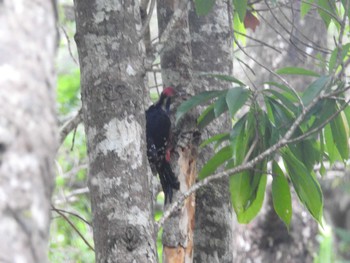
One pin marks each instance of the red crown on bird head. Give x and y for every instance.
(169, 91)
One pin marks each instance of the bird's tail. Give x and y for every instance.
(168, 181)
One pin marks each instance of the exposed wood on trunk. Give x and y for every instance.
(176, 66)
(113, 91)
(28, 128)
(183, 252)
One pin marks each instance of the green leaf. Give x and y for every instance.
(237, 130)
(297, 71)
(195, 101)
(235, 99)
(345, 2)
(325, 109)
(218, 159)
(332, 151)
(340, 132)
(238, 27)
(332, 60)
(220, 105)
(284, 100)
(282, 117)
(253, 209)
(305, 184)
(289, 93)
(314, 89)
(345, 50)
(305, 7)
(203, 7)
(241, 8)
(326, 16)
(206, 117)
(215, 138)
(281, 197)
(224, 77)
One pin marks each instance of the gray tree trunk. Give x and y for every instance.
(28, 128)
(176, 64)
(211, 42)
(112, 79)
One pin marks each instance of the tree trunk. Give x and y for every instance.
(212, 52)
(176, 64)
(28, 128)
(112, 79)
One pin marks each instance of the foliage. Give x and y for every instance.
(293, 131)
(267, 129)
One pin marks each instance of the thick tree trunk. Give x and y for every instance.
(212, 52)
(176, 63)
(28, 128)
(112, 78)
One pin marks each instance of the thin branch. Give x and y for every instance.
(259, 41)
(323, 9)
(290, 33)
(346, 63)
(145, 26)
(321, 126)
(341, 35)
(73, 226)
(66, 198)
(269, 70)
(314, 44)
(69, 44)
(70, 125)
(244, 166)
(158, 47)
(71, 213)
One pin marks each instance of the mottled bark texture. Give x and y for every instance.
(176, 64)
(265, 239)
(112, 79)
(28, 128)
(211, 43)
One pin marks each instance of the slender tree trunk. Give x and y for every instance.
(212, 52)
(28, 128)
(176, 63)
(112, 78)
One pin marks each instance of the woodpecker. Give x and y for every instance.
(158, 129)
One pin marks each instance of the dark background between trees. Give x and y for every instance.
(105, 199)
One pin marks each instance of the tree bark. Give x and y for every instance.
(112, 79)
(176, 64)
(28, 128)
(211, 42)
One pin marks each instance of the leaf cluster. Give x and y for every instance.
(320, 134)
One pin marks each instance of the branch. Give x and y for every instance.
(244, 166)
(70, 125)
(157, 49)
(269, 70)
(321, 126)
(73, 226)
(71, 213)
(69, 45)
(148, 19)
